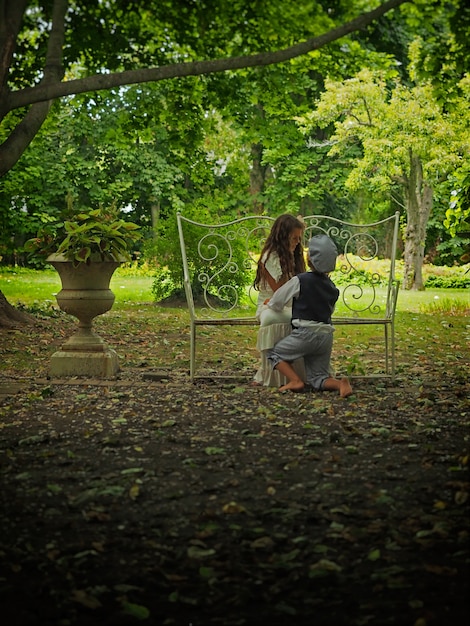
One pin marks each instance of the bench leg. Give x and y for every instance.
(387, 368)
(192, 351)
(390, 350)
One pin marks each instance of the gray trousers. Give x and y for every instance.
(314, 345)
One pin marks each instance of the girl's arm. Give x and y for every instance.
(272, 272)
(271, 281)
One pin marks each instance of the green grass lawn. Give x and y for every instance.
(33, 288)
(434, 300)
(36, 288)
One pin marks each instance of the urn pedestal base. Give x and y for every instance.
(66, 363)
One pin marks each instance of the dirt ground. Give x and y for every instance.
(153, 500)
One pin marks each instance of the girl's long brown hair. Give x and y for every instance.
(278, 241)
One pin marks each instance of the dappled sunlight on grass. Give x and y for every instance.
(426, 301)
(449, 306)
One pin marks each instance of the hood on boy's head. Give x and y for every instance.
(322, 253)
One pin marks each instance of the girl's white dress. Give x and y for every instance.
(273, 327)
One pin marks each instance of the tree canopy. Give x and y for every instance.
(166, 105)
(51, 50)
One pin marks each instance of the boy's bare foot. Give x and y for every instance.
(345, 388)
(293, 385)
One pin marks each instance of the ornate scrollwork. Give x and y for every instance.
(220, 259)
(356, 247)
(215, 249)
(228, 250)
(357, 297)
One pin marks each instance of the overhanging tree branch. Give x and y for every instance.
(99, 82)
(52, 86)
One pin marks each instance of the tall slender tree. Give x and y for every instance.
(406, 140)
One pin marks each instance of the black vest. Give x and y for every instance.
(317, 298)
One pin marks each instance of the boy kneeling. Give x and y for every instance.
(314, 297)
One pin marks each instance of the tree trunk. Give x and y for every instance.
(257, 176)
(155, 216)
(25, 131)
(11, 317)
(259, 173)
(418, 198)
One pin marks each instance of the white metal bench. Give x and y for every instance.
(219, 265)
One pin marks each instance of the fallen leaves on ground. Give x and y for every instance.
(171, 503)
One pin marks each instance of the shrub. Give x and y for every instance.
(163, 286)
(90, 231)
(359, 277)
(362, 273)
(137, 268)
(456, 281)
(210, 273)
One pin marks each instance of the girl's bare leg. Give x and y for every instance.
(343, 386)
(295, 382)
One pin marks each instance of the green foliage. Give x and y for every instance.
(355, 366)
(164, 286)
(142, 269)
(94, 231)
(43, 310)
(98, 231)
(140, 147)
(410, 119)
(452, 250)
(156, 147)
(288, 173)
(376, 271)
(388, 132)
(361, 278)
(209, 258)
(457, 219)
(440, 51)
(456, 281)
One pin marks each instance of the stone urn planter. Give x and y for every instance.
(85, 249)
(85, 294)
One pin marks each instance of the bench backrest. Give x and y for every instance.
(219, 264)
